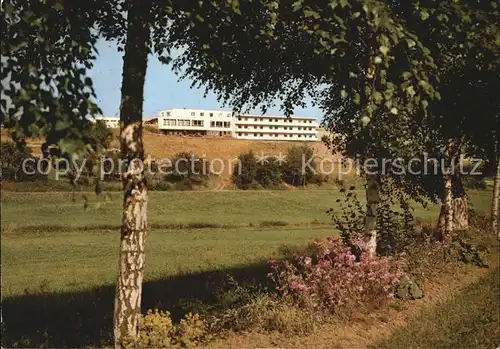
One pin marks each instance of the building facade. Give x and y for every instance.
(150, 122)
(114, 121)
(197, 122)
(222, 123)
(268, 127)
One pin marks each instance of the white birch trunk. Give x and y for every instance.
(495, 205)
(445, 224)
(135, 195)
(372, 202)
(461, 213)
(448, 207)
(372, 180)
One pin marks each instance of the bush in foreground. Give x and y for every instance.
(259, 312)
(156, 330)
(337, 278)
(264, 312)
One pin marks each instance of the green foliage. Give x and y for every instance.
(253, 173)
(470, 254)
(248, 306)
(393, 79)
(12, 158)
(298, 169)
(47, 49)
(110, 162)
(187, 170)
(156, 330)
(245, 171)
(264, 312)
(395, 226)
(161, 185)
(269, 173)
(409, 290)
(301, 46)
(474, 182)
(350, 221)
(464, 42)
(101, 136)
(8, 154)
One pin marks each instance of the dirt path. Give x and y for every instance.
(364, 332)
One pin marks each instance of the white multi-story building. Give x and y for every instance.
(223, 123)
(196, 122)
(268, 127)
(114, 121)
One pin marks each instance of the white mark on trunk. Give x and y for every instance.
(448, 207)
(372, 202)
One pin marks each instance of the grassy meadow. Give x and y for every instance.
(52, 243)
(59, 252)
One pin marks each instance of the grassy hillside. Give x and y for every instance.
(158, 145)
(50, 242)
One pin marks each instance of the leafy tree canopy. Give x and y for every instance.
(385, 73)
(47, 49)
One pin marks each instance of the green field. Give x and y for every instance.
(72, 260)
(216, 207)
(50, 243)
(59, 260)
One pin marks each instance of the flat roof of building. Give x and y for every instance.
(243, 114)
(278, 116)
(118, 118)
(200, 109)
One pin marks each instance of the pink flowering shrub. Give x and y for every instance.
(338, 276)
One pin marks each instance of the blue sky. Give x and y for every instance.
(162, 89)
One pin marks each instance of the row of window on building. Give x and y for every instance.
(167, 113)
(275, 135)
(240, 118)
(277, 127)
(184, 122)
(224, 124)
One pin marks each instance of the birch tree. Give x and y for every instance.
(135, 194)
(319, 50)
(48, 48)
